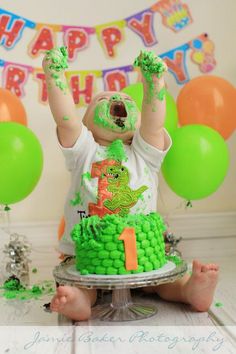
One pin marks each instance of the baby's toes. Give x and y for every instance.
(214, 267)
(205, 268)
(209, 267)
(62, 300)
(54, 304)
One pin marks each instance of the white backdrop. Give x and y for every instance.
(217, 18)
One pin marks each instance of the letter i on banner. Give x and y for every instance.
(110, 35)
(14, 77)
(82, 85)
(44, 40)
(11, 28)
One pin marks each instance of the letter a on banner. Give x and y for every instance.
(43, 41)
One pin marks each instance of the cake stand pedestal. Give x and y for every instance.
(121, 308)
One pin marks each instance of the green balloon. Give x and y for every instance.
(171, 118)
(197, 163)
(135, 91)
(21, 162)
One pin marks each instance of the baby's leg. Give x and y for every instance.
(196, 290)
(73, 302)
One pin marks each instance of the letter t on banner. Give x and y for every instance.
(44, 40)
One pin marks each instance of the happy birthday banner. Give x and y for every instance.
(175, 15)
(83, 83)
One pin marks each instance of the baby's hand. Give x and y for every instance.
(152, 69)
(152, 66)
(55, 61)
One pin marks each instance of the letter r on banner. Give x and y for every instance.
(14, 78)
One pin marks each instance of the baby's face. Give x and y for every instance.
(112, 115)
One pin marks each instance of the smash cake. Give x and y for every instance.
(119, 245)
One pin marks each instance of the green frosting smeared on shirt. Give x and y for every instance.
(116, 151)
(76, 200)
(85, 176)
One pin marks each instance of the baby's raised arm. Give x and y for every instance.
(60, 99)
(154, 105)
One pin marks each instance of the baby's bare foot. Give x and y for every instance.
(199, 289)
(72, 302)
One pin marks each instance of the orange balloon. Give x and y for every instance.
(208, 100)
(61, 228)
(11, 108)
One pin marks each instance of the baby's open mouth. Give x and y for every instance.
(118, 113)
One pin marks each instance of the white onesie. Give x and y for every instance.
(91, 173)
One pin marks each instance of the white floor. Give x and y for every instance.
(44, 258)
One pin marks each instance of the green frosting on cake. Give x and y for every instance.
(99, 250)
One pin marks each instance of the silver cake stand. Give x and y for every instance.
(121, 307)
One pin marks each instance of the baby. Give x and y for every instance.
(111, 116)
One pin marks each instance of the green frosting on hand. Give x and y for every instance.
(161, 94)
(151, 66)
(58, 58)
(58, 63)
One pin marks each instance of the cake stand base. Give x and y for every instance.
(122, 308)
